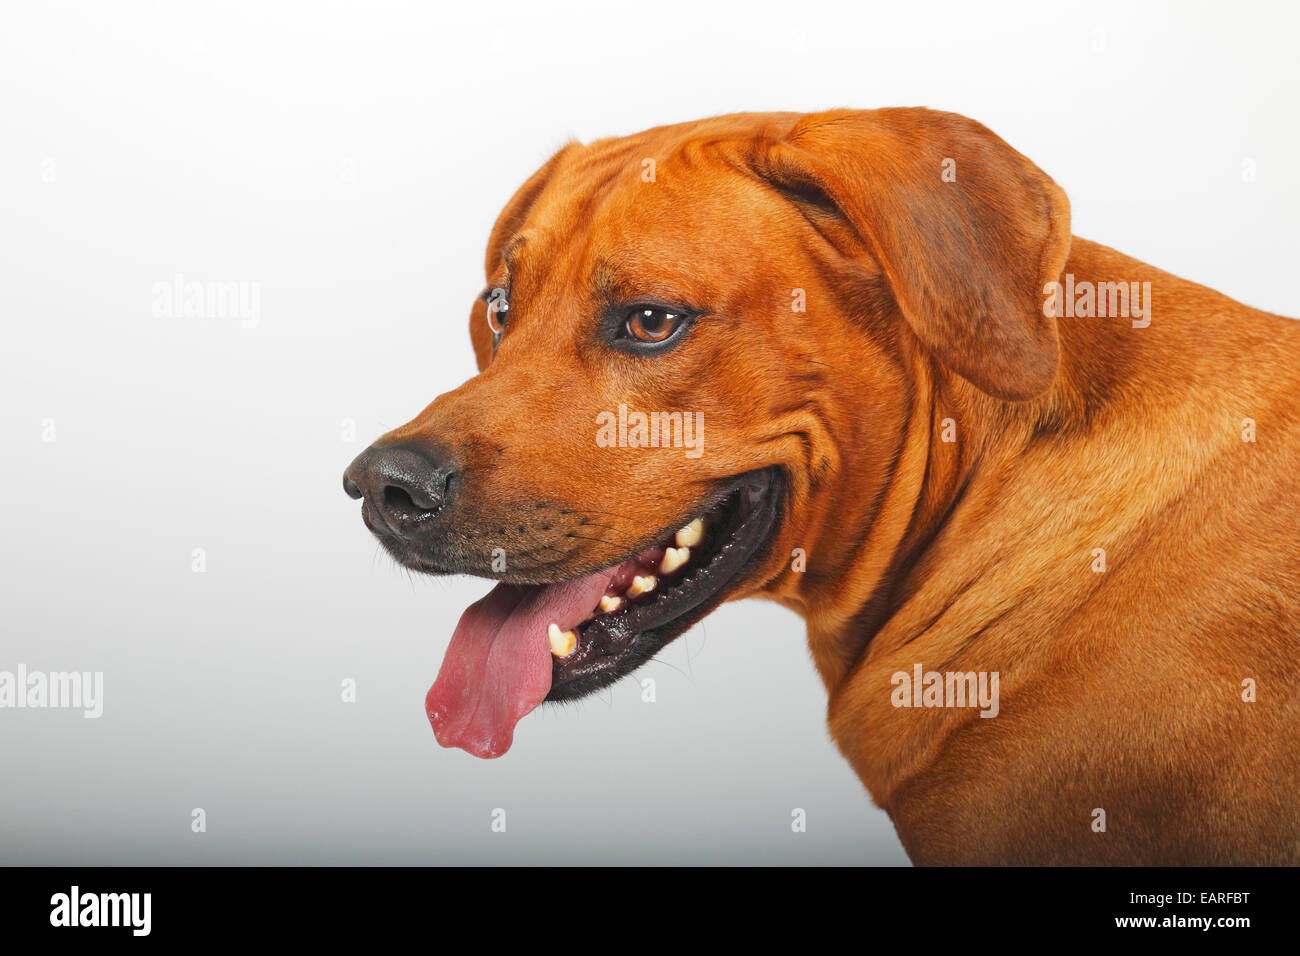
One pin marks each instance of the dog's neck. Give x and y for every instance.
(894, 574)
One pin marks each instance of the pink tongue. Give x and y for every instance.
(498, 665)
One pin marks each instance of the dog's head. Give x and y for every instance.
(699, 348)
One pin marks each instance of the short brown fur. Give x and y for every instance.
(1120, 690)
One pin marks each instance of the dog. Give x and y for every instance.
(954, 438)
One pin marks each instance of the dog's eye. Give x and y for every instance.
(648, 324)
(497, 307)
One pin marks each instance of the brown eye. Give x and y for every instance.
(646, 324)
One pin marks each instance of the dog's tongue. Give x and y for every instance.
(498, 665)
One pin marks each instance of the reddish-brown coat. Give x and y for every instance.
(1120, 690)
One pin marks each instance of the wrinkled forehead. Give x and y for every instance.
(623, 215)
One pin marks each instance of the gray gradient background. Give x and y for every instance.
(351, 159)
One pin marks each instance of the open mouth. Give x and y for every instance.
(522, 644)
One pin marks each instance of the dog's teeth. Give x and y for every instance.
(691, 535)
(562, 642)
(610, 603)
(641, 584)
(674, 558)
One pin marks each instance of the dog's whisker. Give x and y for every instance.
(605, 514)
(660, 660)
(610, 528)
(584, 537)
(540, 546)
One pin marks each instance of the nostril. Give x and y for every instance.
(350, 487)
(398, 500)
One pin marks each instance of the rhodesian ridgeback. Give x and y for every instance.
(1035, 499)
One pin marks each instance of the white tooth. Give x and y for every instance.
(674, 558)
(562, 642)
(641, 585)
(610, 603)
(691, 535)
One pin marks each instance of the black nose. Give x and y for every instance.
(404, 486)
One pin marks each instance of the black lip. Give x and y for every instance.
(612, 646)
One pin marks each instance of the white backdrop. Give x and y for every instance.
(347, 161)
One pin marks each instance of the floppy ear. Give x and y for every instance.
(965, 229)
(507, 225)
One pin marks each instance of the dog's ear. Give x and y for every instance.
(508, 223)
(965, 230)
